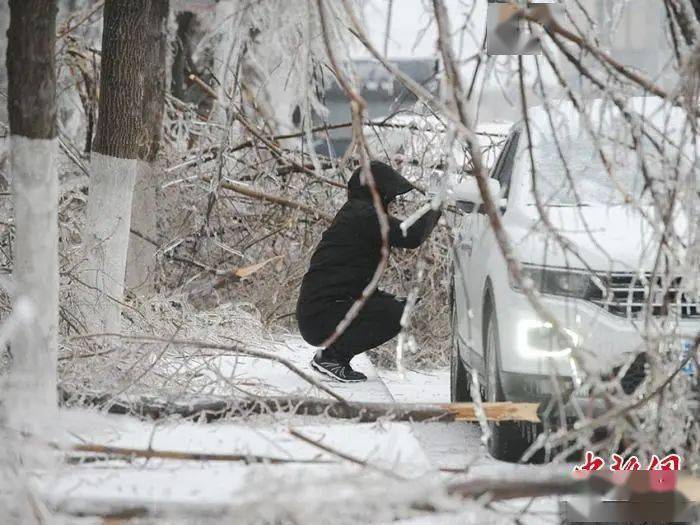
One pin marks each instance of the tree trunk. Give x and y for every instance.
(141, 256)
(30, 401)
(127, 137)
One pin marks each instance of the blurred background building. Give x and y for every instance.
(384, 95)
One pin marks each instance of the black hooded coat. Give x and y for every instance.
(345, 261)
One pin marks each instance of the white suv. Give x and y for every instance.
(600, 293)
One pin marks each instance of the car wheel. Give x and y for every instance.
(460, 383)
(509, 440)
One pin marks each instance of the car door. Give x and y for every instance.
(463, 247)
(479, 244)
(462, 252)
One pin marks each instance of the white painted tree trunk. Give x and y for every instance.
(31, 397)
(141, 257)
(106, 239)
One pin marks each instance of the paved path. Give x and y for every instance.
(269, 377)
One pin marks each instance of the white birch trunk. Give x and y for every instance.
(106, 240)
(141, 256)
(31, 396)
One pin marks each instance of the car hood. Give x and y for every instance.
(607, 238)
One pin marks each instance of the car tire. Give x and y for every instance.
(509, 440)
(460, 383)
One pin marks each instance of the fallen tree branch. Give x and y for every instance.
(643, 483)
(213, 409)
(504, 489)
(275, 199)
(282, 201)
(560, 482)
(181, 455)
(217, 279)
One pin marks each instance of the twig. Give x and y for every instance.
(342, 455)
(541, 15)
(277, 152)
(203, 86)
(276, 199)
(211, 153)
(621, 411)
(67, 30)
(231, 348)
(358, 106)
(186, 456)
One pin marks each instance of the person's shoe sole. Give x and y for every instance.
(327, 373)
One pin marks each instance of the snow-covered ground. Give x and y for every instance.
(318, 468)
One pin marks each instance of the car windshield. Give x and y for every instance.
(569, 171)
(574, 173)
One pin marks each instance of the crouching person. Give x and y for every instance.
(341, 267)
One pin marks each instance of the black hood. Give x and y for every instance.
(389, 183)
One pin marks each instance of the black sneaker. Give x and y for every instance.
(339, 371)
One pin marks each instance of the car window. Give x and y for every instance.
(504, 167)
(499, 161)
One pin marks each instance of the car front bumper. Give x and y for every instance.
(604, 340)
(552, 397)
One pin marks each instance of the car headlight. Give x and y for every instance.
(540, 339)
(566, 283)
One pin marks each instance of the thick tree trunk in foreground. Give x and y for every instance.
(30, 397)
(31, 401)
(131, 83)
(127, 137)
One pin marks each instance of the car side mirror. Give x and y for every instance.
(467, 196)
